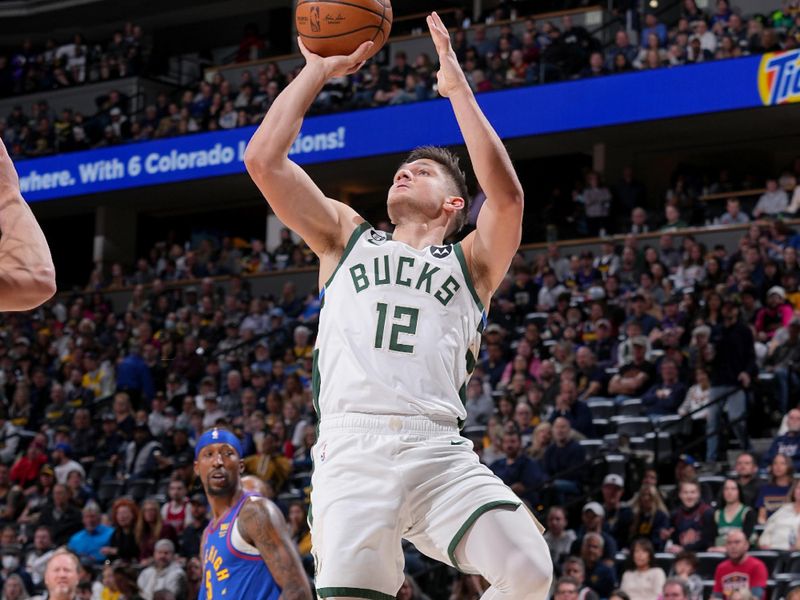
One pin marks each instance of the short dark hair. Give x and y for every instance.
(449, 161)
(566, 580)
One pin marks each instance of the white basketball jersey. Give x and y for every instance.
(399, 330)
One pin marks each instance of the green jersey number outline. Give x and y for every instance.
(405, 323)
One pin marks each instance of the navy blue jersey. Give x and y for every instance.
(229, 573)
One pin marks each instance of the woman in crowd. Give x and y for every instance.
(123, 544)
(149, 529)
(14, 588)
(733, 514)
(650, 516)
(643, 581)
(542, 437)
(771, 495)
(782, 531)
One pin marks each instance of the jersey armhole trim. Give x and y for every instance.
(451, 549)
(462, 260)
(347, 249)
(353, 593)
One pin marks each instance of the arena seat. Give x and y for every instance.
(665, 560)
(631, 408)
(634, 426)
(771, 558)
(602, 427)
(140, 488)
(110, 490)
(602, 409)
(592, 447)
(714, 482)
(707, 563)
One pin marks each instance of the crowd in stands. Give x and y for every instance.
(64, 63)
(495, 57)
(99, 410)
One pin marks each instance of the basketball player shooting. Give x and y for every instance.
(27, 275)
(246, 553)
(399, 333)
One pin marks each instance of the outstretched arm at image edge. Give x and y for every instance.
(27, 275)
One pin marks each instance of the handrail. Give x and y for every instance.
(650, 235)
(596, 460)
(726, 195)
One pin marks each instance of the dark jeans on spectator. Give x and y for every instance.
(735, 407)
(788, 381)
(563, 489)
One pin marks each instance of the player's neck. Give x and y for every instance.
(221, 504)
(419, 235)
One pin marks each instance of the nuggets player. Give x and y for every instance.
(398, 336)
(246, 551)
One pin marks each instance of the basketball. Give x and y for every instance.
(334, 28)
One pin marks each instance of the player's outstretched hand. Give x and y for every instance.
(450, 78)
(338, 66)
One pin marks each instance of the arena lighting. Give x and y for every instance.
(653, 3)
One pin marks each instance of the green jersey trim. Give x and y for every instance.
(462, 260)
(349, 248)
(451, 549)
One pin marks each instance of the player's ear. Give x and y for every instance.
(454, 203)
(196, 471)
(241, 466)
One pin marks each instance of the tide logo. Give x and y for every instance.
(779, 78)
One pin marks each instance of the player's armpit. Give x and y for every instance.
(491, 247)
(262, 525)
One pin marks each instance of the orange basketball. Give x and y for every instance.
(335, 28)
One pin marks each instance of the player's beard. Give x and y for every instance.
(222, 489)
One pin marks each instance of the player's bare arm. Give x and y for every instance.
(491, 247)
(262, 525)
(323, 223)
(27, 275)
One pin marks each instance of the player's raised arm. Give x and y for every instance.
(323, 223)
(263, 526)
(491, 247)
(27, 275)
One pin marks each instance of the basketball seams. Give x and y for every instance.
(339, 35)
(345, 3)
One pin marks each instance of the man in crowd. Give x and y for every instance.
(164, 574)
(732, 356)
(739, 571)
(94, 536)
(517, 471)
(618, 516)
(787, 444)
(563, 461)
(61, 575)
(746, 470)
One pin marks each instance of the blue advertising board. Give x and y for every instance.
(599, 102)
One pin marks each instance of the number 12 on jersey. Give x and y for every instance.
(404, 321)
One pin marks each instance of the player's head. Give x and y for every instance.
(430, 185)
(218, 462)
